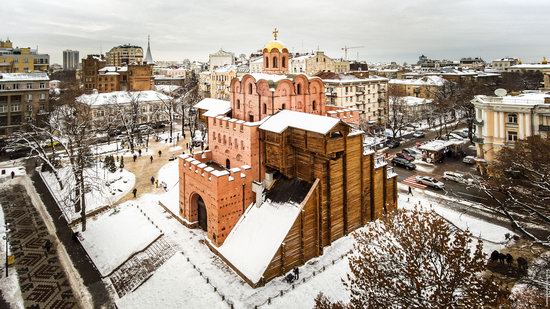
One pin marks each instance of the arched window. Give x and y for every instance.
(283, 62)
(283, 106)
(298, 89)
(265, 109)
(274, 61)
(314, 105)
(236, 144)
(238, 104)
(249, 88)
(267, 62)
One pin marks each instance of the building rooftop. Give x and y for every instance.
(528, 99)
(214, 107)
(123, 97)
(284, 119)
(24, 77)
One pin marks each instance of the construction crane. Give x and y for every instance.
(345, 49)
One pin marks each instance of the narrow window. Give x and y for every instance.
(238, 105)
(267, 62)
(265, 109)
(274, 61)
(298, 89)
(249, 88)
(314, 105)
(284, 62)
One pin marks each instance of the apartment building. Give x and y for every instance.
(21, 59)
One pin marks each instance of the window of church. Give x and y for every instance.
(238, 107)
(275, 62)
(283, 62)
(249, 88)
(298, 89)
(265, 109)
(314, 105)
(267, 62)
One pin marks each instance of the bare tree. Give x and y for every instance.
(70, 126)
(128, 114)
(187, 99)
(519, 184)
(169, 103)
(413, 259)
(397, 115)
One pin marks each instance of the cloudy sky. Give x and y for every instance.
(398, 30)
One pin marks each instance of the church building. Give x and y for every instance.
(284, 175)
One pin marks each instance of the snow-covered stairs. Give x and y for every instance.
(140, 267)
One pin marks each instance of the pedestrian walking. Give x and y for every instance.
(178, 138)
(296, 273)
(139, 152)
(152, 180)
(157, 183)
(48, 246)
(135, 192)
(12, 174)
(160, 153)
(151, 159)
(410, 191)
(135, 157)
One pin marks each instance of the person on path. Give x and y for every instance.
(296, 273)
(152, 180)
(139, 152)
(410, 191)
(160, 153)
(135, 157)
(48, 246)
(157, 183)
(12, 174)
(135, 192)
(151, 159)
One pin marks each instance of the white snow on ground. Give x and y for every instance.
(9, 286)
(169, 174)
(101, 194)
(176, 284)
(424, 167)
(254, 240)
(113, 236)
(5, 172)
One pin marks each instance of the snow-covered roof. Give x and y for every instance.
(528, 99)
(424, 81)
(438, 145)
(532, 66)
(24, 77)
(123, 97)
(314, 123)
(254, 240)
(269, 77)
(113, 69)
(167, 89)
(226, 68)
(412, 101)
(214, 107)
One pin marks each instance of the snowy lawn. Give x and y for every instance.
(169, 174)
(113, 236)
(106, 188)
(5, 172)
(176, 284)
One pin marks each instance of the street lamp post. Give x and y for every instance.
(6, 237)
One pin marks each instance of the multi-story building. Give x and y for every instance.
(316, 62)
(256, 65)
(24, 97)
(368, 95)
(425, 87)
(99, 77)
(472, 63)
(106, 107)
(21, 60)
(547, 81)
(280, 178)
(220, 59)
(71, 60)
(125, 54)
(503, 120)
(503, 64)
(220, 80)
(542, 67)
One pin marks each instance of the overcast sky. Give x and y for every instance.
(398, 30)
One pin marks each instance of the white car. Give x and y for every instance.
(458, 177)
(430, 182)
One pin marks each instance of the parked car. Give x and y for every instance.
(454, 135)
(393, 143)
(397, 161)
(405, 156)
(469, 160)
(419, 134)
(461, 133)
(457, 177)
(430, 182)
(417, 154)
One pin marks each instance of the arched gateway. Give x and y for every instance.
(198, 205)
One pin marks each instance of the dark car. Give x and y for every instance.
(397, 161)
(393, 143)
(405, 156)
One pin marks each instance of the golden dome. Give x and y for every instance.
(275, 44)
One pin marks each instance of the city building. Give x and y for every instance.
(425, 87)
(368, 95)
(220, 59)
(106, 107)
(256, 65)
(71, 59)
(24, 97)
(472, 63)
(542, 67)
(503, 120)
(416, 108)
(316, 62)
(280, 180)
(124, 54)
(503, 64)
(21, 59)
(221, 77)
(547, 81)
(97, 76)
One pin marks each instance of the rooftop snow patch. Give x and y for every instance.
(309, 122)
(257, 236)
(24, 77)
(214, 107)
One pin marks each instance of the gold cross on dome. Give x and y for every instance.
(275, 32)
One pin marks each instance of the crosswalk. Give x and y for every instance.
(411, 181)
